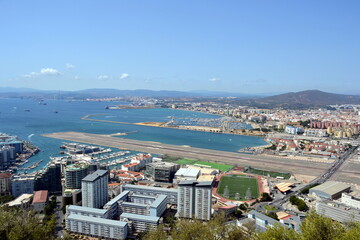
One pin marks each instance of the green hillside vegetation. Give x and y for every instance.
(18, 224)
(314, 227)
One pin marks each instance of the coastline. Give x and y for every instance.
(241, 132)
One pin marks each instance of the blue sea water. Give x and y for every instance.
(59, 116)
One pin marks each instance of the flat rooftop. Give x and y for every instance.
(20, 200)
(159, 200)
(118, 197)
(126, 186)
(131, 216)
(87, 209)
(187, 172)
(92, 177)
(331, 187)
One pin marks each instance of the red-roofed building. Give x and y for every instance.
(40, 200)
(5, 184)
(131, 167)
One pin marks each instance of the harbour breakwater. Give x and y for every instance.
(246, 132)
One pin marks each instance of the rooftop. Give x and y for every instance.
(331, 187)
(118, 197)
(187, 172)
(131, 216)
(40, 196)
(87, 209)
(163, 165)
(263, 217)
(158, 201)
(5, 175)
(206, 178)
(92, 177)
(151, 188)
(20, 200)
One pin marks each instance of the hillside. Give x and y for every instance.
(304, 99)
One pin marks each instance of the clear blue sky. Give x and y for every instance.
(236, 46)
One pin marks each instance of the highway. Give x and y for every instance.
(322, 178)
(294, 166)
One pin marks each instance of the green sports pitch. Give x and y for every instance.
(238, 187)
(221, 167)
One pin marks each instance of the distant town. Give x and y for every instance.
(97, 188)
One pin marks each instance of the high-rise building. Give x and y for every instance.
(194, 199)
(12, 141)
(49, 179)
(203, 193)
(74, 174)
(95, 189)
(186, 199)
(7, 156)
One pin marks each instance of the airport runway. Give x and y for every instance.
(294, 166)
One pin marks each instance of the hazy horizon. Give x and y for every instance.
(233, 46)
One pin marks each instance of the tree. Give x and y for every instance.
(278, 232)
(299, 203)
(198, 230)
(5, 199)
(265, 197)
(18, 224)
(243, 206)
(317, 227)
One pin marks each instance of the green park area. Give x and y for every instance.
(185, 161)
(266, 173)
(238, 187)
(221, 167)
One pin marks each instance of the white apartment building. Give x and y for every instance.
(22, 184)
(95, 189)
(350, 201)
(194, 200)
(96, 227)
(186, 199)
(113, 205)
(139, 223)
(333, 211)
(203, 193)
(87, 211)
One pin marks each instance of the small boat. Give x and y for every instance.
(27, 110)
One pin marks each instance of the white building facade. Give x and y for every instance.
(95, 189)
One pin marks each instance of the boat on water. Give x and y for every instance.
(27, 110)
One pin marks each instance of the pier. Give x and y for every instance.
(295, 166)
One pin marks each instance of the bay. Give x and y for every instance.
(28, 119)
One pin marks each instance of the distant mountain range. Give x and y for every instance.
(303, 99)
(108, 93)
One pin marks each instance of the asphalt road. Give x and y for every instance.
(259, 161)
